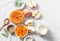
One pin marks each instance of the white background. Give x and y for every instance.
(50, 11)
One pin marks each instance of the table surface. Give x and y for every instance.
(50, 17)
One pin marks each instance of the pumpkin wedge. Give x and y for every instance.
(16, 16)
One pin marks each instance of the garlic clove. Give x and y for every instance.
(29, 22)
(31, 29)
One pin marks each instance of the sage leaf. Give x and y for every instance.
(18, 3)
(6, 32)
(6, 36)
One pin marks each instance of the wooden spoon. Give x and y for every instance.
(6, 22)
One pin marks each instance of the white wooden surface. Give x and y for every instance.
(50, 11)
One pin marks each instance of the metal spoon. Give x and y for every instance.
(6, 22)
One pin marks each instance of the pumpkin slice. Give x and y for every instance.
(16, 16)
(21, 31)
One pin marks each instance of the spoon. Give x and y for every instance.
(6, 22)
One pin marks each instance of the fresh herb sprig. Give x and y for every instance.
(18, 3)
(5, 34)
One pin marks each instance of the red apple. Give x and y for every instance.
(27, 12)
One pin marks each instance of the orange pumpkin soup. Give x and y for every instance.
(21, 31)
(16, 16)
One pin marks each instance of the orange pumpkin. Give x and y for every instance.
(21, 31)
(16, 16)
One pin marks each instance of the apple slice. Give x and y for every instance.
(32, 4)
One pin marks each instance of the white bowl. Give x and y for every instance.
(28, 37)
(42, 30)
(21, 7)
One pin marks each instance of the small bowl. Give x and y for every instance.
(42, 30)
(20, 36)
(20, 7)
(29, 37)
(10, 28)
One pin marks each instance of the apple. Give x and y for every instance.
(32, 4)
(29, 22)
(36, 14)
